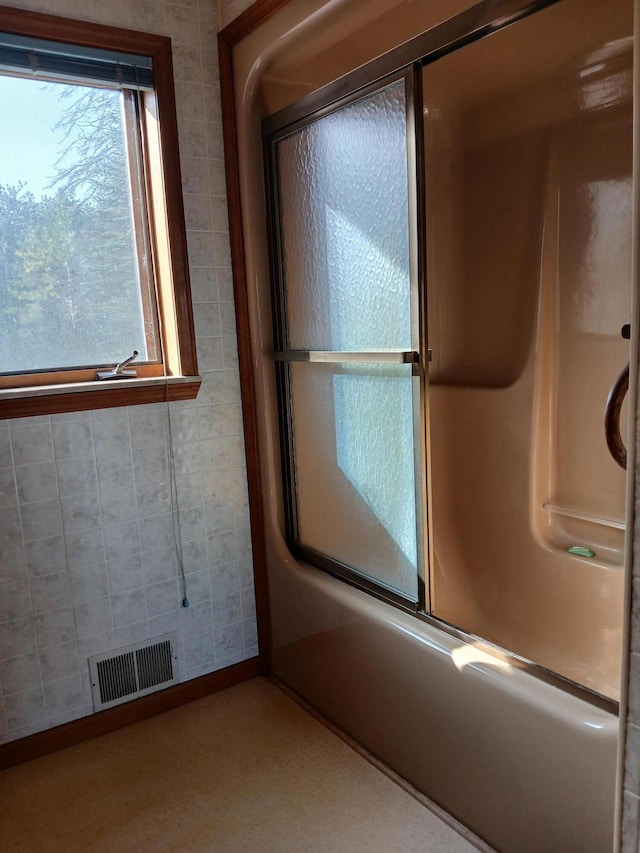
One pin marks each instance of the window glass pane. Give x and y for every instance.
(344, 221)
(354, 468)
(70, 290)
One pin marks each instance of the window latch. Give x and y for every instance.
(120, 371)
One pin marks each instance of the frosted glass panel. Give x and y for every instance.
(344, 220)
(354, 466)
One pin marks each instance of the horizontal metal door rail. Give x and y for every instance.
(328, 357)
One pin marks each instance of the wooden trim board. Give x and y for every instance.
(238, 29)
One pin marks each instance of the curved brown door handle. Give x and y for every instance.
(612, 418)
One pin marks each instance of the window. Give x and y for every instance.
(92, 243)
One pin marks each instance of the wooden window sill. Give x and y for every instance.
(54, 399)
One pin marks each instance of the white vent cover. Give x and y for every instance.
(133, 671)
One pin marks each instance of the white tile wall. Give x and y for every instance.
(87, 553)
(230, 9)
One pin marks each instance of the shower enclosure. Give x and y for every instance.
(449, 257)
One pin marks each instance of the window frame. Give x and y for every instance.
(175, 375)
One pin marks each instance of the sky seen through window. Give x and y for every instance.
(29, 142)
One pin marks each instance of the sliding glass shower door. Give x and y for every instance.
(347, 339)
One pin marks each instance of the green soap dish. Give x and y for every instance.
(581, 551)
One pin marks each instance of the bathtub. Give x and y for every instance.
(524, 764)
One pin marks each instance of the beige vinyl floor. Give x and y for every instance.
(246, 769)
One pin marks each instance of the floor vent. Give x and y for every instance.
(133, 671)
